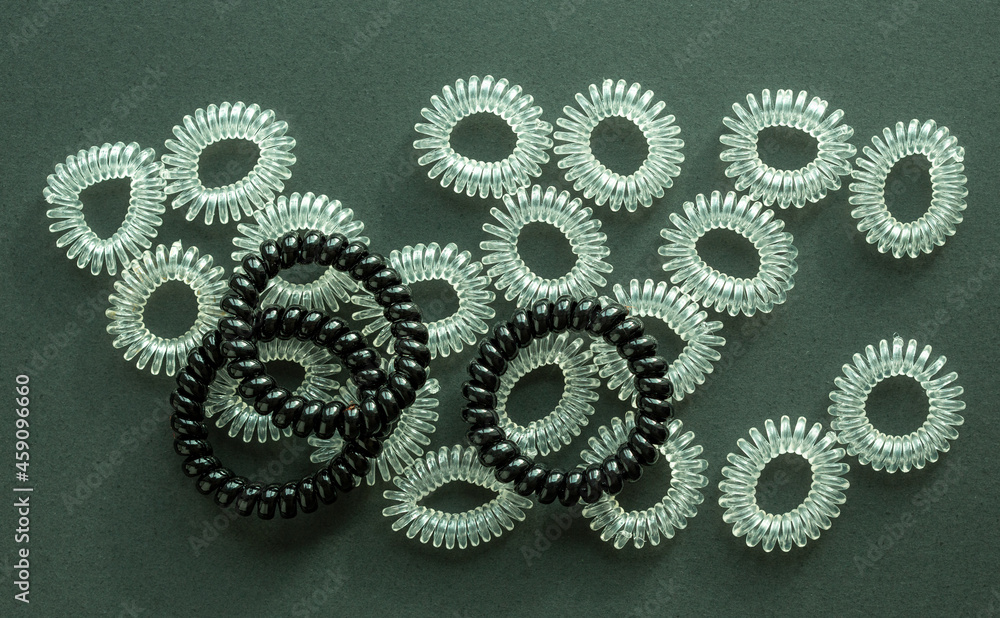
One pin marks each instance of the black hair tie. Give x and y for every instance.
(617, 328)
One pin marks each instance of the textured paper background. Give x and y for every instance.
(78, 74)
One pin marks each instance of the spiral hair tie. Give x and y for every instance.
(137, 283)
(302, 212)
(225, 402)
(805, 521)
(787, 187)
(577, 223)
(491, 97)
(947, 184)
(669, 514)
(89, 167)
(384, 397)
(431, 262)
(683, 316)
(871, 446)
(592, 177)
(364, 426)
(429, 473)
(403, 445)
(246, 496)
(718, 290)
(223, 122)
(610, 321)
(558, 427)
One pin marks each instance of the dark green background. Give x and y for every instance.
(77, 74)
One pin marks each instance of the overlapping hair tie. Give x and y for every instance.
(367, 404)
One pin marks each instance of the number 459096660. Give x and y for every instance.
(21, 425)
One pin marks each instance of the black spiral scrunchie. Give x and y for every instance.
(611, 322)
(364, 426)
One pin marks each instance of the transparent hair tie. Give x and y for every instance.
(223, 122)
(593, 178)
(717, 290)
(469, 528)
(137, 283)
(879, 450)
(581, 228)
(947, 185)
(225, 402)
(666, 516)
(487, 177)
(557, 428)
(808, 519)
(87, 168)
(402, 446)
(682, 315)
(302, 212)
(428, 263)
(787, 187)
